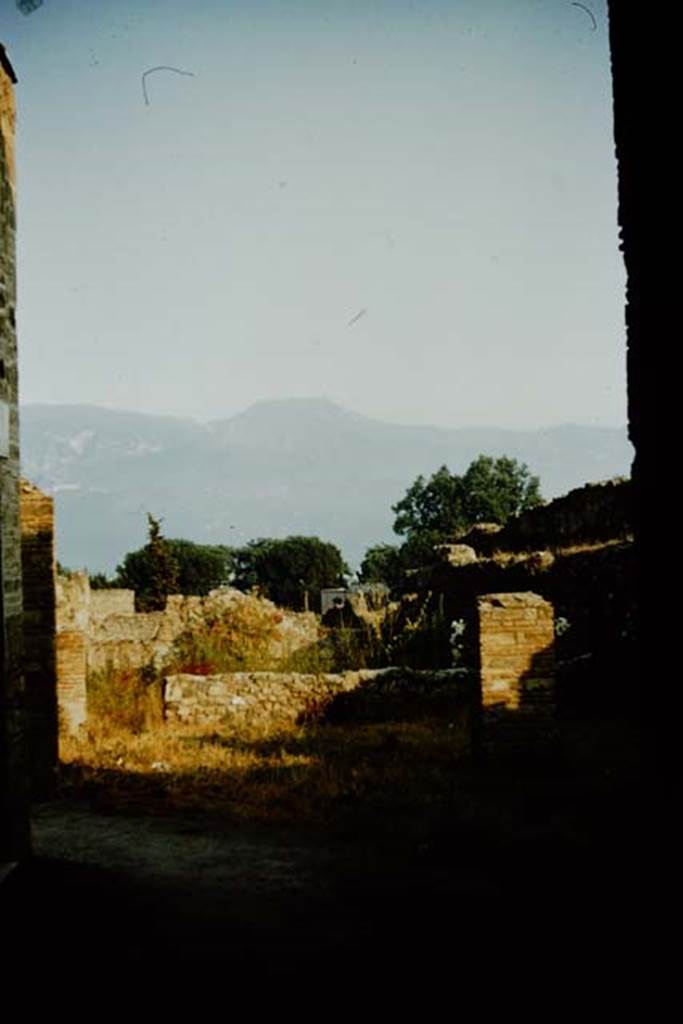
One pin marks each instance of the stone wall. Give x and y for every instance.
(593, 590)
(40, 668)
(280, 699)
(516, 665)
(594, 513)
(98, 630)
(14, 830)
(111, 602)
(138, 638)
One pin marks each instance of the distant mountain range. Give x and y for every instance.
(303, 466)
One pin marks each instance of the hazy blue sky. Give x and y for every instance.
(445, 166)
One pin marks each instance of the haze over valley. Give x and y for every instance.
(290, 466)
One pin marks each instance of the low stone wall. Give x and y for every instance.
(98, 630)
(284, 699)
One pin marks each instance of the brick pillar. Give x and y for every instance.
(40, 668)
(516, 663)
(73, 618)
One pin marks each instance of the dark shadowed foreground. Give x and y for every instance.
(498, 868)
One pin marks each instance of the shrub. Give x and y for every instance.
(124, 698)
(239, 639)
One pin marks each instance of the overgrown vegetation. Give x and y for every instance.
(242, 638)
(124, 700)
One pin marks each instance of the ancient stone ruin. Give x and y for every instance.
(516, 665)
(283, 699)
(72, 631)
(99, 630)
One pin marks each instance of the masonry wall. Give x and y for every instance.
(99, 630)
(594, 513)
(14, 830)
(40, 668)
(516, 665)
(594, 590)
(111, 602)
(280, 699)
(73, 620)
(118, 638)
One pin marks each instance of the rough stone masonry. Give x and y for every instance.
(99, 630)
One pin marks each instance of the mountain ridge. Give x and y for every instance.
(280, 466)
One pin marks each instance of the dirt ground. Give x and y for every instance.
(193, 897)
(523, 882)
(188, 891)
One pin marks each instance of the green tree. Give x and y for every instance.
(199, 568)
(383, 563)
(491, 490)
(292, 571)
(100, 581)
(436, 510)
(152, 571)
(202, 567)
(496, 489)
(434, 506)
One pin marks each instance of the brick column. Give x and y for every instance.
(516, 664)
(73, 620)
(40, 668)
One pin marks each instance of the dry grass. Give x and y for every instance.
(556, 551)
(310, 776)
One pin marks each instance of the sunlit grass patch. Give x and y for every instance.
(310, 776)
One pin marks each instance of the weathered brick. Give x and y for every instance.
(14, 830)
(516, 661)
(38, 580)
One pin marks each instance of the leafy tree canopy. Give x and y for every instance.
(100, 581)
(196, 569)
(496, 489)
(202, 567)
(436, 510)
(431, 506)
(383, 564)
(286, 570)
(491, 490)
